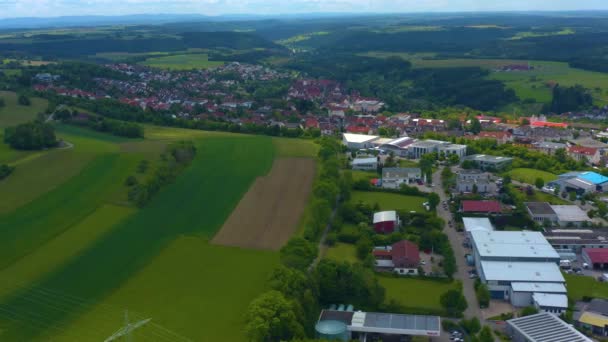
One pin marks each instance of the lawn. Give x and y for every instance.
(12, 113)
(359, 175)
(182, 62)
(407, 291)
(579, 286)
(166, 270)
(529, 176)
(342, 252)
(389, 201)
(295, 148)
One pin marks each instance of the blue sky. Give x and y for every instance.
(50, 8)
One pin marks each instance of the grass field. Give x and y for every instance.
(359, 175)
(182, 62)
(342, 252)
(166, 263)
(295, 148)
(406, 291)
(579, 286)
(12, 113)
(529, 176)
(389, 201)
(527, 84)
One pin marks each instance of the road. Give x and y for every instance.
(456, 240)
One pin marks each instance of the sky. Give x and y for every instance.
(52, 8)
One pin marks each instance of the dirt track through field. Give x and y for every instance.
(269, 213)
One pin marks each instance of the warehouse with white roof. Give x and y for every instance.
(358, 141)
(477, 224)
(517, 265)
(543, 327)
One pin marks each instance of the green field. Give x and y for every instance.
(407, 291)
(389, 201)
(12, 113)
(531, 84)
(359, 175)
(75, 239)
(529, 176)
(579, 286)
(342, 252)
(182, 62)
(295, 148)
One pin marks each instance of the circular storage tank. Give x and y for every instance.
(332, 330)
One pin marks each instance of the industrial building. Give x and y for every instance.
(398, 147)
(358, 141)
(393, 177)
(574, 240)
(543, 327)
(581, 182)
(365, 164)
(420, 148)
(592, 315)
(358, 325)
(596, 257)
(562, 215)
(477, 224)
(386, 222)
(516, 265)
(486, 162)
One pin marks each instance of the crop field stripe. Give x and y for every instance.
(197, 203)
(30, 226)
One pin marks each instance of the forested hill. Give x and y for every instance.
(68, 46)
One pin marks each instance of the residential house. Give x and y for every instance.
(470, 180)
(487, 162)
(402, 257)
(589, 155)
(393, 177)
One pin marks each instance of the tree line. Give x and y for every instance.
(101, 124)
(175, 159)
(35, 135)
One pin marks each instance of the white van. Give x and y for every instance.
(565, 264)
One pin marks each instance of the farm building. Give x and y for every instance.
(514, 263)
(358, 141)
(574, 240)
(597, 257)
(386, 222)
(486, 162)
(562, 215)
(393, 177)
(402, 257)
(362, 326)
(592, 315)
(487, 207)
(543, 327)
(365, 164)
(469, 180)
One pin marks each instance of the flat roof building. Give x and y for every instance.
(512, 246)
(487, 162)
(477, 223)
(543, 327)
(574, 240)
(359, 324)
(365, 164)
(550, 302)
(488, 207)
(393, 177)
(509, 272)
(570, 215)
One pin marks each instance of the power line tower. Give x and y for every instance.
(127, 329)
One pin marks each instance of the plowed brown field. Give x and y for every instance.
(268, 214)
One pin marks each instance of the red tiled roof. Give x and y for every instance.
(381, 253)
(481, 206)
(358, 129)
(494, 135)
(583, 150)
(548, 124)
(405, 253)
(597, 255)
